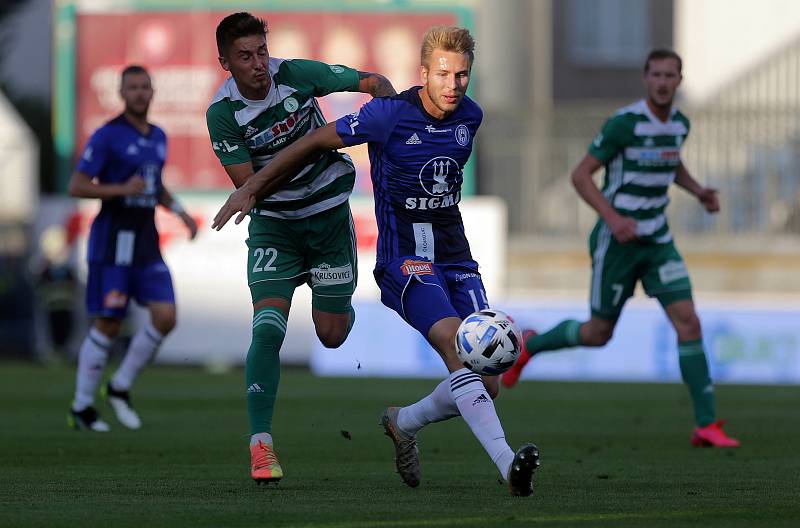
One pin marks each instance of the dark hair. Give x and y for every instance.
(238, 25)
(131, 70)
(662, 53)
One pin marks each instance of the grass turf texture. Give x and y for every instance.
(612, 455)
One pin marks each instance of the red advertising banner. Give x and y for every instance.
(179, 50)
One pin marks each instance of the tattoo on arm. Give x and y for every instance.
(377, 85)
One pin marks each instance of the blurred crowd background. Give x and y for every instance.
(547, 73)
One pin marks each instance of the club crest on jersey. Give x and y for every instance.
(418, 267)
(462, 135)
(291, 104)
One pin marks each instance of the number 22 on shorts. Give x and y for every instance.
(267, 256)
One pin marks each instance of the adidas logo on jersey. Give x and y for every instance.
(413, 140)
(250, 131)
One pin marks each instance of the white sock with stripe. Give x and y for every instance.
(141, 349)
(435, 407)
(477, 409)
(92, 358)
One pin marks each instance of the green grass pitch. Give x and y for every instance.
(613, 455)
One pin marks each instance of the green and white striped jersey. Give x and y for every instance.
(244, 130)
(641, 155)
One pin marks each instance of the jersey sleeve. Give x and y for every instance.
(611, 139)
(373, 123)
(94, 155)
(226, 138)
(322, 79)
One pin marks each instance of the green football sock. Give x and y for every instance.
(262, 370)
(694, 371)
(565, 334)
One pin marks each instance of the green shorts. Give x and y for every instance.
(319, 250)
(617, 267)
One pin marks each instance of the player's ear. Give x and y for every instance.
(423, 74)
(224, 63)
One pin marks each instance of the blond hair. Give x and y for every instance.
(447, 38)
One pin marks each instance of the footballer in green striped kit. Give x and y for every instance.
(640, 149)
(301, 234)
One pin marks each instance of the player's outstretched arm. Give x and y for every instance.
(375, 84)
(81, 185)
(623, 228)
(277, 173)
(707, 196)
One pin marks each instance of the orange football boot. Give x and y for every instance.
(264, 465)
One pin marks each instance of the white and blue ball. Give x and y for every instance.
(488, 342)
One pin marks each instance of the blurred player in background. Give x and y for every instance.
(303, 234)
(640, 149)
(419, 141)
(121, 165)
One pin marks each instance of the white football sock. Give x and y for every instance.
(435, 407)
(263, 437)
(477, 409)
(140, 351)
(92, 358)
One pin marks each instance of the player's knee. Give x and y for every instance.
(688, 327)
(493, 391)
(597, 337)
(333, 338)
(108, 327)
(165, 323)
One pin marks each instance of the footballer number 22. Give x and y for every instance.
(260, 253)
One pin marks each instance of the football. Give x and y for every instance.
(488, 342)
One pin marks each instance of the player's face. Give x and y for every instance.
(247, 59)
(137, 92)
(661, 80)
(445, 79)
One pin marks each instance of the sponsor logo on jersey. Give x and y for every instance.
(672, 271)
(335, 68)
(462, 135)
(649, 142)
(115, 299)
(281, 128)
(413, 140)
(132, 150)
(327, 275)
(438, 176)
(291, 104)
(464, 276)
(224, 145)
(435, 202)
(433, 130)
(418, 267)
